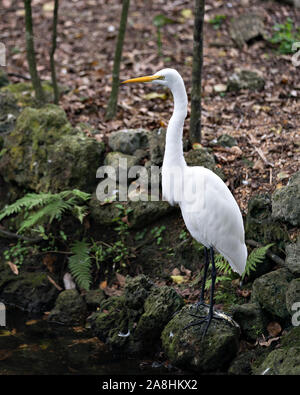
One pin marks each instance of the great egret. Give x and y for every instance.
(209, 210)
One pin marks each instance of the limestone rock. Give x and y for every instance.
(201, 157)
(292, 260)
(69, 309)
(245, 79)
(293, 295)
(246, 27)
(187, 349)
(250, 318)
(286, 202)
(128, 140)
(269, 291)
(44, 153)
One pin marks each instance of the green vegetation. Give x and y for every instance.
(285, 35)
(217, 21)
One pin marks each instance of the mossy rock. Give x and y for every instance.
(31, 291)
(261, 226)
(293, 295)
(24, 94)
(141, 213)
(251, 319)
(286, 202)
(9, 110)
(245, 79)
(43, 153)
(161, 304)
(69, 309)
(292, 261)
(284, 360)
(136, 291)
(187, 349)
(94, 298)
(270, 290)
(201, 157)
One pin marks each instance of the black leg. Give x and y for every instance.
(206, 264)
(210, 314)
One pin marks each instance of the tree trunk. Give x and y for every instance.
(53, 48)
(195, 121)
(36, 83)
(112, 103)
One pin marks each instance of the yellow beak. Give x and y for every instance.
(147, 78)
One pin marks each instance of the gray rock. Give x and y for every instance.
(157, 139)
(226, 140)
(286, 202)
(128, 140)
(120, 161)
(261, 226)
(269, 291)
(293, 294)
(69, 309)
(245, 79)
(201, 157)
(161, 304)
(187, 349)
(250, 318)
(246, 27)
(292, 260)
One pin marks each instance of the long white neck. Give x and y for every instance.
(174, 147)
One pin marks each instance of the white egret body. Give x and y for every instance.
(209, 210)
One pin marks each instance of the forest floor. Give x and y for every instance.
(266, 124)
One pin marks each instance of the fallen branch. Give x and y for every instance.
(270, 254)
(10, 235)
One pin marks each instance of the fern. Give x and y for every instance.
(256, 256)
(80, 264)
(45, 207)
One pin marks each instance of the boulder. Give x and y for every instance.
(43, 153)
(284, 360)
(69, 309)
(188, 350)
(245, 79)
(157, 140)
(270, 290)
(94, 298)
(251, 319)
(293, 295)
(246, 28)
(286, 202)
(292, 260)
(118, 160)
(201, 157)
(128, 140)
(31, 291)
(141, 213)
(159, 307)
(260, 225)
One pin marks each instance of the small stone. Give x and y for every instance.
(128, 140)
(227, 141)
(245, 79)
(292, 260)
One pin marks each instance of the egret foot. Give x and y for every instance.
(206, 319)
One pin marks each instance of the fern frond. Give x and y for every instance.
(256, 256)
(80, 264)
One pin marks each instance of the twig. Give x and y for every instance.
(270, 254)
(9, 235)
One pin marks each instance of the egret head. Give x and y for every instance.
(166, 77)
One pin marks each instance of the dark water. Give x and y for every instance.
(30, 345)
